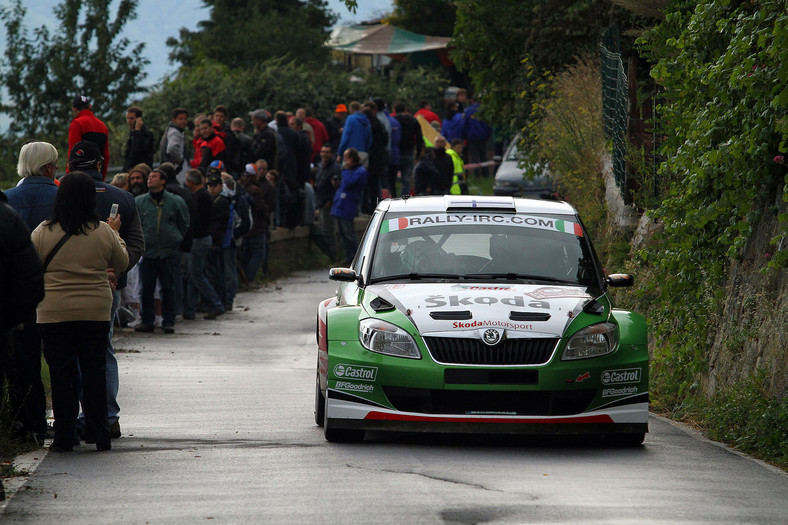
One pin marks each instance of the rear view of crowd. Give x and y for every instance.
(167, 242)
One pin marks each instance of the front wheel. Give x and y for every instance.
(320, 403)
(627, 440)
(340, 435)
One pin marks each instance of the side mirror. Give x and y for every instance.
(347, 275)
(620, 280)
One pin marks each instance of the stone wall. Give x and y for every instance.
(753, 326)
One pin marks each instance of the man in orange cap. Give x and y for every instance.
(335, 124)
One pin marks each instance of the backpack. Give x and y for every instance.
(242, 218)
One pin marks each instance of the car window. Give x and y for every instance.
(464, 244)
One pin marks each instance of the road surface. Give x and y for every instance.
(218, 428)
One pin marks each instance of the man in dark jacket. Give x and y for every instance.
(85, 156)
(410, 145)
(378, 161)
(221, 217)
(445, 166)
(168, 170)
(327, 180)
(22, 288)
(32, 199)
(139, 146)
(199, 286)
(255, 241)
(265, 144)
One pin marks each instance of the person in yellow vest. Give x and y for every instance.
(458, 183)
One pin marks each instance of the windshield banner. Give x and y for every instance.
(526, 221)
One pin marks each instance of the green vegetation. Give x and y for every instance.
(241, 34)
(744, 415)
(722, 65)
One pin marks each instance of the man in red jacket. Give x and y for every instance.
(86, 126)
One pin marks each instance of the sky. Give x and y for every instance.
(158, 20)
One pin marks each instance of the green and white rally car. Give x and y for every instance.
(479, 314)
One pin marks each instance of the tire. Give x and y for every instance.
(628, 440)
(340, 435)
(320, 403)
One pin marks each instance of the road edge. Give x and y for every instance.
(699, 436)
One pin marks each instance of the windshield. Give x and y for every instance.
(483, 247)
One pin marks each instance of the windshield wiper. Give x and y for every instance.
(414, 276)
(511, 276)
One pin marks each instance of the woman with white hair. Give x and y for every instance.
(37, 159)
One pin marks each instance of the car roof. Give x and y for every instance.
(455, 203)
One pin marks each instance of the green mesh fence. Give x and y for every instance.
(615, 101)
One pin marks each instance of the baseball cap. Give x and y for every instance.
(214, 179)
(80, 102)
(219, 165)
(261, 114)
(341, 108)
(249, 169)
(84, 155)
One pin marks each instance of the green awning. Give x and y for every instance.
(383, 39)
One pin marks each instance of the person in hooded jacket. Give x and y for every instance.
(346, 201)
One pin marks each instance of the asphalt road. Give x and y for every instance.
(218, 428)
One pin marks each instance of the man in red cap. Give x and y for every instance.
(335, 124)
(86, 126)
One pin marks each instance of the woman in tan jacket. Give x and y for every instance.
(74, 317)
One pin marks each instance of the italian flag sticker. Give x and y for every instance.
(393, 225)
(569, 227)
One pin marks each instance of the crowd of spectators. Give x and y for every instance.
(191, 215)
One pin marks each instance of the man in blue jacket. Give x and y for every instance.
(356, 134)
(346, 200)
(477, 133)
(85, 156)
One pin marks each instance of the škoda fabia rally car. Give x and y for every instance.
(479, 314)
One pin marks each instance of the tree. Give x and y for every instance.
(242, 33)
(434, 18)
(43, 73)
(540, 36)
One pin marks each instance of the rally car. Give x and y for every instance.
(479, 314)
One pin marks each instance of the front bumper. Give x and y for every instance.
(347, 413)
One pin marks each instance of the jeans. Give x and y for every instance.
(113, 379)
(214, 271)
(347, 234)
(255, 248)
(70, 347)
(180, 286)
(198, 282)
(406, 168)
(229, 256)
(163, 270)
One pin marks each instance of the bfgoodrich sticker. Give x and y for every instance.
(620, 391)
(354, 387)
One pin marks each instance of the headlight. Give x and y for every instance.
(592, 341)
(385, 338)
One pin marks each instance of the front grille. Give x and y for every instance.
(449, 350)
(521, 403)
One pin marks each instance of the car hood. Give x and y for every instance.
(524, 309)
(510, 171)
